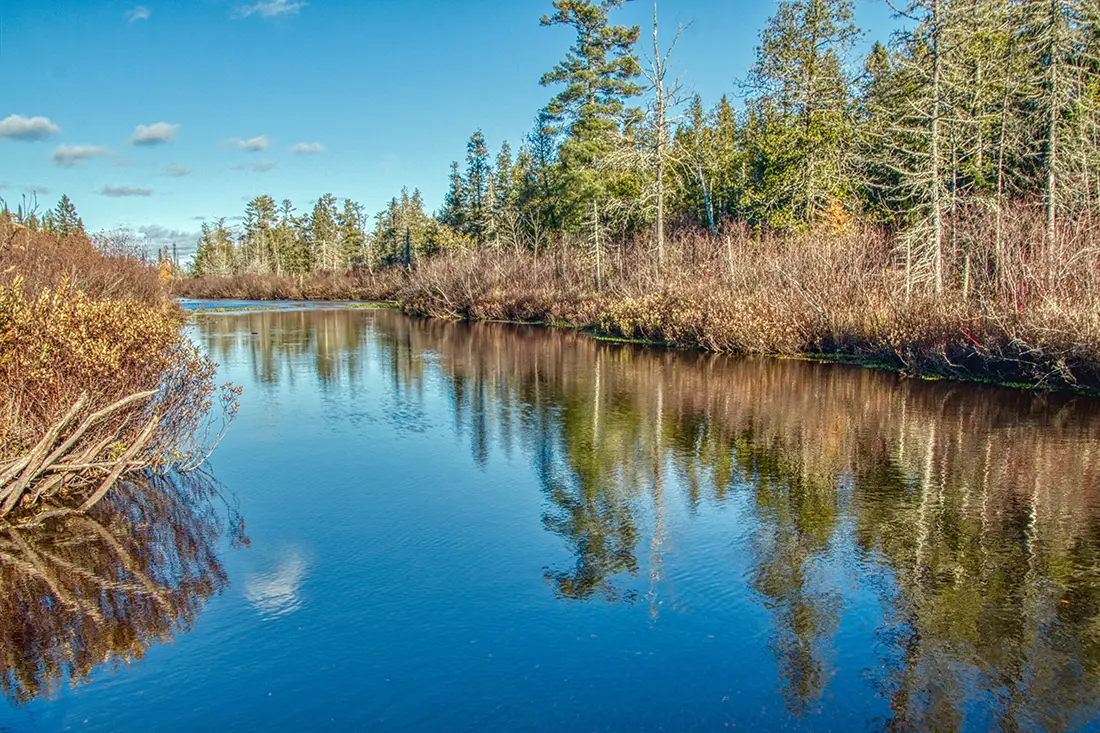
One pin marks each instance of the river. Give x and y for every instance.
(425, 525)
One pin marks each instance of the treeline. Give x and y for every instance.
(333, 237)
(974, 107)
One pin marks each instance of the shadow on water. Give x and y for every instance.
(102, 588)
(970, 515)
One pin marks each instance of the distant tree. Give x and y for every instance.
(216, 254)
(324, 236)
(453, 213)
(353, 238)
(258, 243)
(478, 181)
(64, 220)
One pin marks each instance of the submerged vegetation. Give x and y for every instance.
(96, 378)
(933, 206)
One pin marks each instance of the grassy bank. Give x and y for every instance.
(96, 378)
(383, 285)
(1032, 318)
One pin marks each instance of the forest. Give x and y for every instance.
(978, 108)
(931, 205)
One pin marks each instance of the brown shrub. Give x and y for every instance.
(83, 327)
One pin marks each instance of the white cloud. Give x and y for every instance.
(154, 134)
(262, 166)
(252, 144)
(159, 236)
(67, 156)
(120, 191)
(28, 129)
(271, 8)
(139, 13)
(307, 148)
(176, 170)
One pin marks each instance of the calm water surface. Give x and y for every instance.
(437, 526)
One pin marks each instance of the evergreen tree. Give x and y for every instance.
(453, 213)
(800, 90)
(597, 76)
(260, 253)
(353, 240)
(478, 203)
(324, 236)
(215, 254)
(64, 220)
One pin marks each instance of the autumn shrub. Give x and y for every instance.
(81, 330)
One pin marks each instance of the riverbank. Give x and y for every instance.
(97, 381)
(829, 297)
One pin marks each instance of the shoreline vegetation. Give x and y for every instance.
(98, 383)
(836, 297)
(932, 206)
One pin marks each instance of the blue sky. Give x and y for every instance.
(376, 94)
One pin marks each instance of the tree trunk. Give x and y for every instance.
(937, 186)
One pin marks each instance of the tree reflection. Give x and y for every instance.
(87, 590)
(971, 513)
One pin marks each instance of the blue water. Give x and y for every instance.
(493, 527)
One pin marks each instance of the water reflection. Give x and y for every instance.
(88, 590)
(277, 593)
(971, 515)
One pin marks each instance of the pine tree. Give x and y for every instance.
(64, 220)
(453, 213)
(478, 180)
(260, 254)
(598, 76)
(353, 240)
(506, 184)
(324, 236)
(216, 254)
(800, 91)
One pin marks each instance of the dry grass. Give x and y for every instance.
(382, 285)
(1017, 311)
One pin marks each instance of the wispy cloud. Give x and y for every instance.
(262, 166)
(159, 236)
(176, 170)
(27, 129)
(139, 13)
(307, 148)
(68, 156)
(271, 8)
(252, 144)
(154, 134)
(120, 191)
